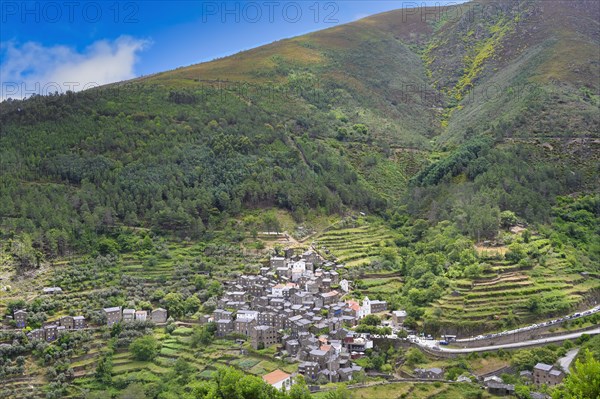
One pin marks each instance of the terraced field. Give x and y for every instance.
(355, 243)
(174, 346)
(380, 286)
(503, 292)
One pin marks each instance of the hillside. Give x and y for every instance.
(338, 118)
(450, 163)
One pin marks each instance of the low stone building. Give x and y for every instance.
(159, 315)
(37, 334)
(500, 389)
(434, 373)
(141, 315)
(398, 317)
(128, 315)
(52, 290)
(378, 306)
(547, 374)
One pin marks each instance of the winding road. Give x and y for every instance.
(515, 344)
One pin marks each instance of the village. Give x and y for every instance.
(299, 304)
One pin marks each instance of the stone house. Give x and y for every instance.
(220, 314)
(224, 327)
(378, 306)
(67, 322)
(159, 315)
(547, 374)
(500, 389)
(244, 326)
(264, 336)
(292, 347)
(128, 315)
(51, 332)
(309, 370)
(78, 322)
(398, 317)
(330, 297)
(20, 318)
(113, 315)
(277, 262)
(36, 334)
(141, 315)
(434, 373)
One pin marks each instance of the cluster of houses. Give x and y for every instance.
(542, 374)
(297, 304)
(117, 314)
(51, 330)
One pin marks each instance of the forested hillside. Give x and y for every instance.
(392, 110)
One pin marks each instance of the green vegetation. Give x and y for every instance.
(144, 348)
(468, 146)
(356, 242)
(583, 382)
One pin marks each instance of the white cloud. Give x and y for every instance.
(31, 67)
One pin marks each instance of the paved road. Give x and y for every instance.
(566, 360)
(582, 313)
(520, 344)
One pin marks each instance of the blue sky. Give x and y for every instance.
(79, 44)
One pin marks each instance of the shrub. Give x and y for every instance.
(144, 348)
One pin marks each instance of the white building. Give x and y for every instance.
(299, 267)
(277, 290)
(141, 315)
(365, 309)
(278, 379)
(345, 285)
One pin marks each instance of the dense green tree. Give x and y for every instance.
(174, 303)
(508, 219)
(144, 348)
(104, 370)
(203, 335)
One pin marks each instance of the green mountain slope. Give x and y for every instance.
(342, 118)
